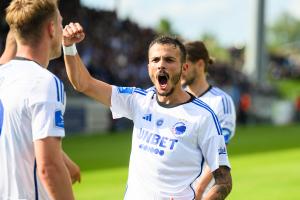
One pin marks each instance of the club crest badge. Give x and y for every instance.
(179, 128)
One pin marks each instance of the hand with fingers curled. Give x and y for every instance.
(73, 168)
(74, 172)
(73, 33)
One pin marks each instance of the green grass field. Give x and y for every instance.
(265, 163)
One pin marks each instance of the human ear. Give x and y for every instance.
(51, 29)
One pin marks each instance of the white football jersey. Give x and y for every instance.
(222, 104)
(169, 144)
(32, 103)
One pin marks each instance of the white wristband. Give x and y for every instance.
(70, 51)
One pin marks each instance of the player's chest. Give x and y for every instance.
(165, 129)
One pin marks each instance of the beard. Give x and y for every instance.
(189, 77)
(188, 81)
(56, 53)
(56, 50)
(174, 81)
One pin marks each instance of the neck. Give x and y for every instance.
(199, 86)
(177, 97)
(37, 54)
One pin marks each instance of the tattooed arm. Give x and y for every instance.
(222, 186)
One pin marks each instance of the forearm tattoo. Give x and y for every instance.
(223, 183)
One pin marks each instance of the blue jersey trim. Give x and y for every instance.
(125, 90)
(202, 104)
(225, 101)
(224, 107)
(62, 91)
(227, 136)
(151, 89)
(140, 91)
(35, 182)
(126, 190)
(201, 170)
(57, 89)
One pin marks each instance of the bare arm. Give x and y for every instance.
(51, 168)
(73, 168)
(222, 186)
(77, 73)
(203, 182)
(10, 48)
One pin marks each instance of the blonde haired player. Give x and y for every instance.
(32, 162)
(9, 54)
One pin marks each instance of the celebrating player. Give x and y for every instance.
(173, 131)
(32, 163)
(9, 54)
(194, 81)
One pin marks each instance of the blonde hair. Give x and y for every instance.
(27, 17)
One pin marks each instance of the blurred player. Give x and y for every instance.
(173, 131)
(194, 81)
(32, 162)
(9, 54)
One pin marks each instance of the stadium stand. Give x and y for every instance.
(115, 50)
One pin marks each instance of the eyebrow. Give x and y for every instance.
(164, 57)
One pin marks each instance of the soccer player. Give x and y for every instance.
(194, 81)
(10, 53)
(173, 131)
(32, 162)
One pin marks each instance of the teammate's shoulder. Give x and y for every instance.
(200, 105)
(43, 78)
(151, 89)
(48, 77)
(217, 93)
(5, 65)
(222, 101)
(131, 90)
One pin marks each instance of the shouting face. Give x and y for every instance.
(164, 68)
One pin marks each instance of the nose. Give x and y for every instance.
(161, 65)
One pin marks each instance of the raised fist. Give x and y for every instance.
(72, 33)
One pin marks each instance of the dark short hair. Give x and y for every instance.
(171, 40)
(197, 50)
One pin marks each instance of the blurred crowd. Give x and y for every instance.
(115, 50)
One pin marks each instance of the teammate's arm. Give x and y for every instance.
(10, 48)
(203, 182)
(222, 186)
(73, 168)
(51, 168)
(228, 123)
(77, 73)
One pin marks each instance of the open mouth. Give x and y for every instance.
(163, 79)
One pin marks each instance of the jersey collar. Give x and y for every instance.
(26, 59)
(192, 97)
(203, 93)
